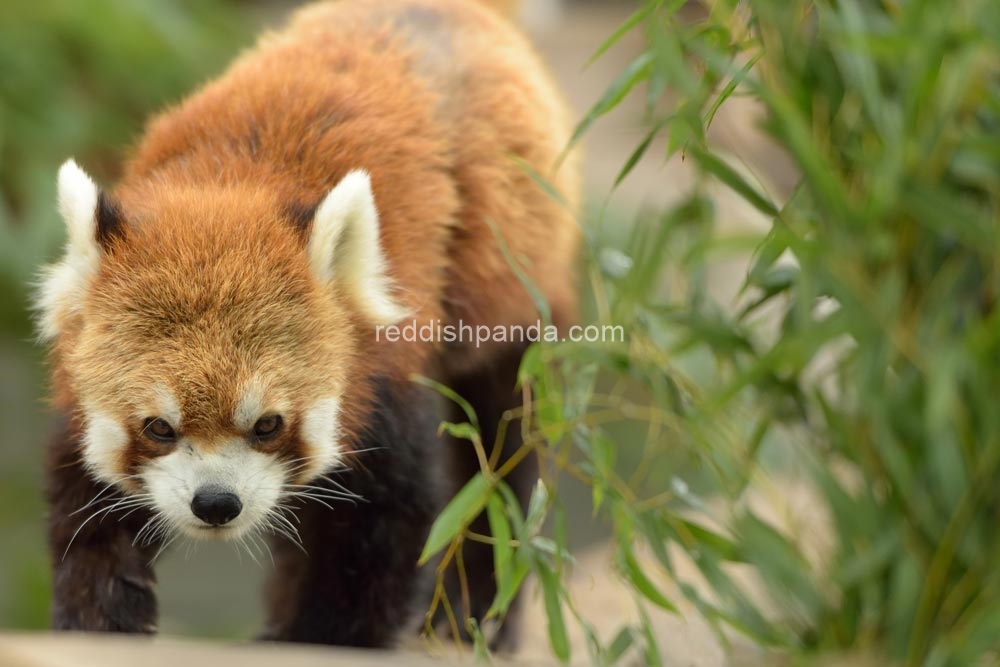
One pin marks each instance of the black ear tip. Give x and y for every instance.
(110, 221)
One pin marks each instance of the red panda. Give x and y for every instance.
(214, 323)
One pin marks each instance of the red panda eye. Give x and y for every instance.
(158, 429)
(267, 426)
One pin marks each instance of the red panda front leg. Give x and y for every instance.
(102, 581)
(356, 581)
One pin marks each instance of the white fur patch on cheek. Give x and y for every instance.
(169, 481)
(104, 441)
(321, 433)
(62, 285)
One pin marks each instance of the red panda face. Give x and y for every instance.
(207, 345)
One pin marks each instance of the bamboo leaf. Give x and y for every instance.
(457, 514)
(730, 177)
(551, 592)
(450, 394)
(625, 27)
(463, 431)
(503, 552)
(631, 568)
(636, 71)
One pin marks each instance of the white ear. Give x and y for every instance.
(63, 284)
(344, 245)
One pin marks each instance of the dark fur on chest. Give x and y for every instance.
(358, 582)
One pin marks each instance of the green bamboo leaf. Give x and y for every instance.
(541, 303)
(553, 548)
(450, 394)
(730, 88)
(730, 177)
(637, 154)
(459, 513)
(532, 365)
(538, 508)
(463, 431)
(631, 569)
(508, 588)
(552, 592)
(779, 562)
(480, 647)
(513, 506)
(622, 642)
(651, 655)
(521, 558)
(503, 552)
(767, 253)
(636, 71)
(718, 545)
(543, 183)
(626, 25)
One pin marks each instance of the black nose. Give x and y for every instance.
(216, 506)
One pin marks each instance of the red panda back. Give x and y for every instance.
(439, 100)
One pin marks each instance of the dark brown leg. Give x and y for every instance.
(100, 581)
(358, 584)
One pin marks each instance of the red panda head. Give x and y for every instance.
(207, 344)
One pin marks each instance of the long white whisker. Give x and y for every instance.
(316, 495)
(236, 548)
(279, 531)
(101, 493)
(320, 501)
(164, 546)
(122, 503)
(341, 491)
(151, 525)
(289, 527)
(243, 543)
(292, 537)
(262, 542)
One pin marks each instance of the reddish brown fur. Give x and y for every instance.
(210, 188)
(438, 100)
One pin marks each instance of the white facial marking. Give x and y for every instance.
(251, 405)
(321, 432)
(344, 245)
(234, 466)
(167, 406)
(62, 285)
(255, 403)
(104, 439)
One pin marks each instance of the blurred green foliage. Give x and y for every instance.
(76, 79)
(862, 357)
